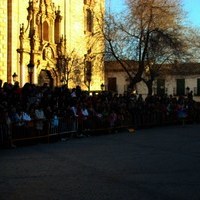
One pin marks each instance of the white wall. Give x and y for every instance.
(170, 83)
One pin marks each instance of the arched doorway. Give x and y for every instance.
(45, 77)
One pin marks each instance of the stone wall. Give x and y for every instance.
(3, 39)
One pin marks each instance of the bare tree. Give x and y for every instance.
(69, 66)
(149, 32)
(192, 36)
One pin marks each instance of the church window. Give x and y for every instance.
(45, 31)
(89, 19)
(88, 71)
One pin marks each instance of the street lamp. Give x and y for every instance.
(14, 76)
(102, 87)
(30, 71)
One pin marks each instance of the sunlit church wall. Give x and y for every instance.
(58, 42)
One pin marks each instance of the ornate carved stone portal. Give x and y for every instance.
(41, 41)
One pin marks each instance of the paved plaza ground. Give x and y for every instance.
(150, 164)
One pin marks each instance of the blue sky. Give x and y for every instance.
(192, 7)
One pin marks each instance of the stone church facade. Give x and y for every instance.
(55, 42)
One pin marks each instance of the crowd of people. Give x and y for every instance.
(23, 105)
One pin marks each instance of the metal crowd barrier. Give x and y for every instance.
(29, 132)
(69, 126)
(159, 118)
(94, 125)
(65, 127)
